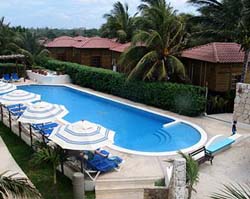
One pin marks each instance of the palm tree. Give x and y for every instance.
(192, 173)
(31, 47)
(9, 40)
(46, 154)
(226, 20)
(244, 36)
(119, 23)
(17, 187)
(152, 53)
(233, 192)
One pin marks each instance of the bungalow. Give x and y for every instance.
(217, 65)
(91, 51)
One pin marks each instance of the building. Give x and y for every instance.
(90, 51)
(217, 65)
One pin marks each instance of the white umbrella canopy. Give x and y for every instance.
(82, 135)
(43, 112)
(19, 97)
(6, 87)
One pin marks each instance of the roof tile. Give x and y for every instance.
(216, 52)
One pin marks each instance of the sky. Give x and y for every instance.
(67, 13)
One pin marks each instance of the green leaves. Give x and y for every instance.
(161, 35)
(17, 187)
(232, 191)
(179, 98)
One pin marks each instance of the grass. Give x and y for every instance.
(41, 176)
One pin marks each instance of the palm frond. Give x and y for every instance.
(232, 191)
(17, 187)
(146, 61)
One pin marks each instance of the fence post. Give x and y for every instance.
(78, 185)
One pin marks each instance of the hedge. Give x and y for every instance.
(179, 98)
(8, 68)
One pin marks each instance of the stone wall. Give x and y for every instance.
(242, 103)
(156, 193)
(177, 187)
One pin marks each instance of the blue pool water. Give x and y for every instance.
(135, 129)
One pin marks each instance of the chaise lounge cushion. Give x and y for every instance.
(219, 145)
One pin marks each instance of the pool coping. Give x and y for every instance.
(199, 144)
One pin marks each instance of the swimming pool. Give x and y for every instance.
(137, 130)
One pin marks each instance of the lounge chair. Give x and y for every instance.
(6, 77)
(14, 77)
(17, 110)
(48, 125)
(220, 142)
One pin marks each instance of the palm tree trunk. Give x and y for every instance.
(189, 192)
(245, 65)
(55, 181)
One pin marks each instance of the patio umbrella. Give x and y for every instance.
(42, 112)
(5, 88)
(82, 135)
(18, 97)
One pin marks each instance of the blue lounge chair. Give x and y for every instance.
(14, 77)
(6, 77)
(219, 145)
(14, 106)
(44, 126)
(46, 132)
(101, 164)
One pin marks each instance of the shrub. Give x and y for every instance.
(8, 68)
(179, 98)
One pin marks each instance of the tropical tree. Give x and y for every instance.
(152, 55)
(119, 23)
(233, 192)
(226, 20)
(46, 154)
(16, 187)
(244, 36)
(9, 40)
(31, 47)
(192, 173)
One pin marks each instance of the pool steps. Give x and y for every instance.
(171, 123)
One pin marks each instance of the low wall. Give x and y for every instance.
(242, 103)
(156, 193)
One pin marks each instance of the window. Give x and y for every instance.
(96, 61)
(235, 79)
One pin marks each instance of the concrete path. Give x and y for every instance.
(8, 162)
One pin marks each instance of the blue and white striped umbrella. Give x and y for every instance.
(82, 135)
(6, 87)
(42, 112)
(19, 97)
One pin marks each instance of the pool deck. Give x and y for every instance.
(229, 166)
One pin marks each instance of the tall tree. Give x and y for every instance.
(152, 53)
(16, 187)
(119, 23)
(226, 20)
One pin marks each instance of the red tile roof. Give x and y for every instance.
(216, 52)
(82, 42)
(121, 48)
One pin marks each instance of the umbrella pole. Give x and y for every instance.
(61, 159)
(1, 112)
(20, 129)
(31, 139)
(10, 120)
